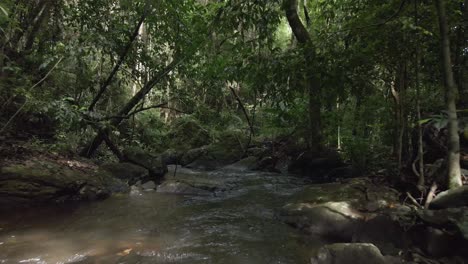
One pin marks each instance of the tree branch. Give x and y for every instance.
(117, 66)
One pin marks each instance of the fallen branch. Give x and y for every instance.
(163, 105)
(252, 131)
(243, 110)
(414, 201)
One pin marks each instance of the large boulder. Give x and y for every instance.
(316, 164)
(227, 150)
(349, 253)
(454, 219)
(191, 155)
(42, 181)
(354, 210)
(154, 164)
(247, 164)
(457, 197)
(384, 231)
(127, 172)
(335, 221)
(442, 233)
(182, 188)
(172, 156)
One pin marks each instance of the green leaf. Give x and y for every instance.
(3, 11)
(424, 121)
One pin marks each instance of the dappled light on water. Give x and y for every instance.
(235, 225)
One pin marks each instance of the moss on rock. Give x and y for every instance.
(37, 181)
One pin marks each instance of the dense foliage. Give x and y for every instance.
(135, 71)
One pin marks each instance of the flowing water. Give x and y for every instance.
(236, 223)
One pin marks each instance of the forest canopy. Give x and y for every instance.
(359, 76)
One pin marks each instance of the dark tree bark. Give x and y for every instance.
(28, 13)
(41, 16)
(312, 80)
(252, 131)
(113, 147)
(117, 66)
(453, 157)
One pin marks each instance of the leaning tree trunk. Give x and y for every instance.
(312, 80)
(121, 60)
(93, 145)
(453, 157)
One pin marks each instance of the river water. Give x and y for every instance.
(236, 223)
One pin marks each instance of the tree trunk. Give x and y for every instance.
(421, 178)
(397, 144)
(93, 145)
(312, 80)
(453, 157)
(117, 66)
(37, 23)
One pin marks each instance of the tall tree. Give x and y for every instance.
(312, 80)
(122, 57)
(453, 156)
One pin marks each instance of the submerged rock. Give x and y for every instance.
(177, 187)
(349, 253)
(40, 181)
(148, 186)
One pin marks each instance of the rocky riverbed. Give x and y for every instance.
(220, 213)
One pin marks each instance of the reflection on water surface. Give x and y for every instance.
(236, 225)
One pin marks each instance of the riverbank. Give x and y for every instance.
(328, 217)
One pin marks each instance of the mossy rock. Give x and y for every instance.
(39, 181)
(215, 157)
(126, 172)
(331, 220)
(153, 163)
(228, 149)
(193, 154)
